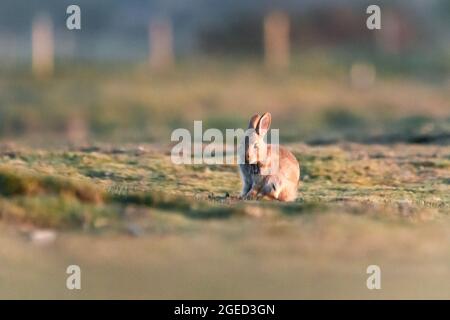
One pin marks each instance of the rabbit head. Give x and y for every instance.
(255, 146)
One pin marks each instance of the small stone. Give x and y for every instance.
(42, 237)
(140, 150)
(254, 211)
(134, 230)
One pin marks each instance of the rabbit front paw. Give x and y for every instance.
(251, 195)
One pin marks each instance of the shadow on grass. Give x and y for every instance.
(58, 202)
(211, 209)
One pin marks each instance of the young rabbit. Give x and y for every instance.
(258, 177)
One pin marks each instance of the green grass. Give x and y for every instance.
(69, 189)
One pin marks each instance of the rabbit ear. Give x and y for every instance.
(264, 124)
(254, 121)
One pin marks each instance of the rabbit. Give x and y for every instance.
(258, 181)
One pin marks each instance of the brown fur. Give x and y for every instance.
(281, 185)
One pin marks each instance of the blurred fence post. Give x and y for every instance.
(76, 129)
(389, 38)
(276, 40)
(42, 46)
(161, 44)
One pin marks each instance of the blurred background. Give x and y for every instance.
(86, 118)
(139, 69)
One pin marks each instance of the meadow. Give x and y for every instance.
(86, 154)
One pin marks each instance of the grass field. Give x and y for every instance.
(155, 230)
(86, 154)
